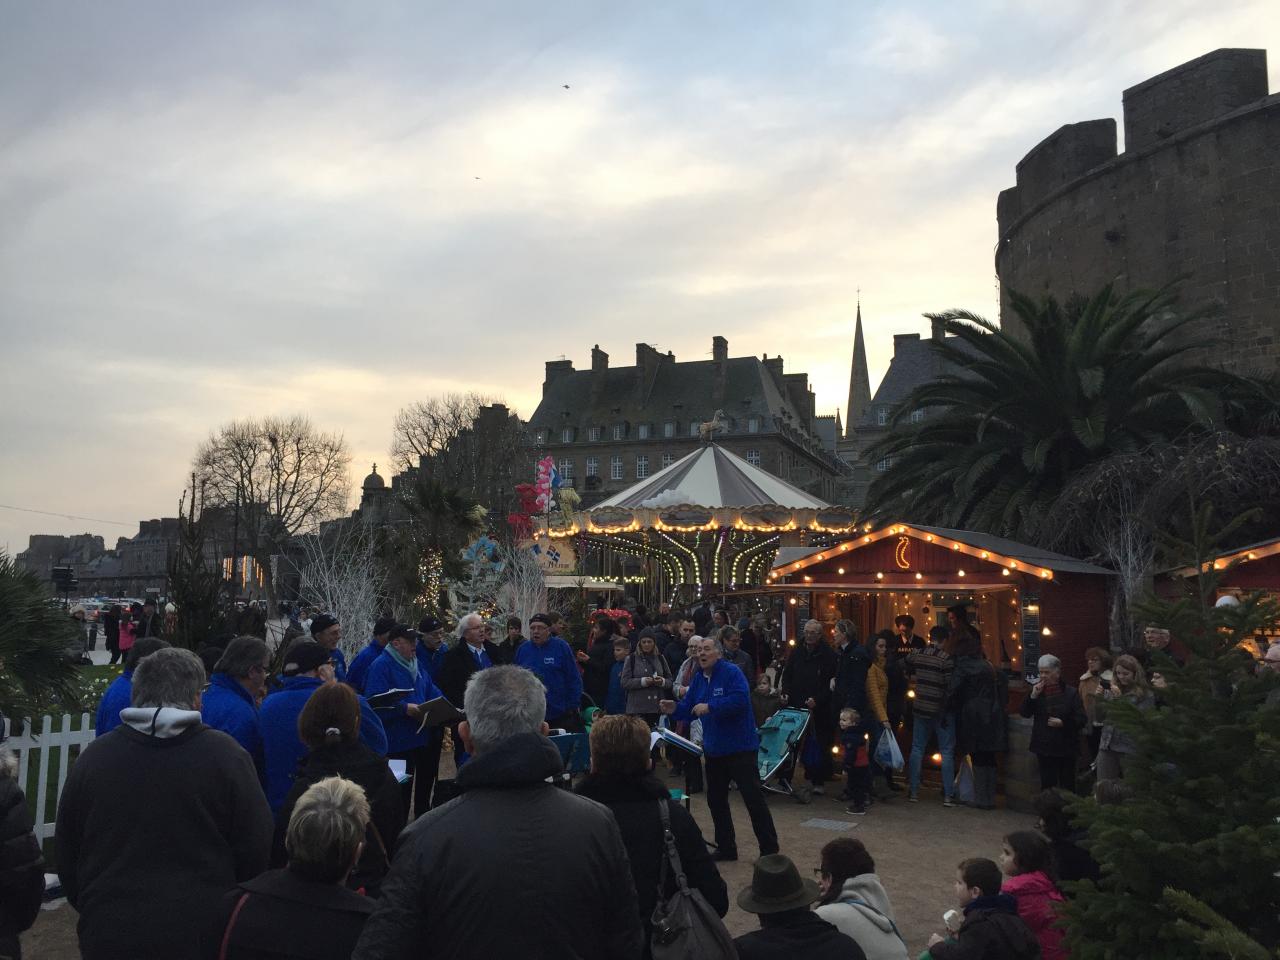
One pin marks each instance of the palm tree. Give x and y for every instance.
(1094, 378)
(424, 549)
(35, 637)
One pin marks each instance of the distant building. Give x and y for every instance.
(46, 551)
(608, 427)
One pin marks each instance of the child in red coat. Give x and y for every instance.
(1027, 863)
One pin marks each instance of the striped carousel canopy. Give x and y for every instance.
(712, 477)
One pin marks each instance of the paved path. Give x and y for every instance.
(916, 848)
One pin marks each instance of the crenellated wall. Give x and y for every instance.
(1196, 193)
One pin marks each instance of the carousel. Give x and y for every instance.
(709, 523)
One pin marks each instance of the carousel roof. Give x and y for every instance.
(713, 477)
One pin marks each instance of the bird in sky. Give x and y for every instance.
(566, 86)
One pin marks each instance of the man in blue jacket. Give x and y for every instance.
(398, 669)
(363, 660)
(327, 631)
(307, 667)
(230, 702)
(553, 662)
(119, 693)
(718, 695)
(431, 646)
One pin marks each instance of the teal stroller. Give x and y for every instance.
(780, 740)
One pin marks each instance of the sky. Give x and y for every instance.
(215, 211)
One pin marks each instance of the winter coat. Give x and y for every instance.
(402, 729)
(152, 626)
(228, 706)
(21, 863)
(991, 930)
(1066, 705)
(852, 665)
(458, 666)
(1038, 898)
(554, 664)
(764, 705)
(287, 917)
(282, 748)
(877, 693)
(641, 698)
(863, 911)
(1072, 860)
(796, 935)
(115, 698)
(127, 634)
(360, 765)
(1113, 738)
(595, 672)
(513, 867)
(808, 674)
(1091, 694)
(744, 662)
(153, 828)
(730, 726)
(615, 701)
(360, 664)
(977, 699)
(634, 805)
(432, 661)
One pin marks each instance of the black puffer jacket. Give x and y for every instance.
(977, 698)
(514, 867)
(852, 665)
(991, 928)
(360, 765)
(21, 865)
(634, 804)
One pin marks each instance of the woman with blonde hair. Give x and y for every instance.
(1116, 747)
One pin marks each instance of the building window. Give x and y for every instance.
(593, 434)
(566, 435)
(615, 468)
(917, 416)
(753, 424)
(753, 457)
(668, 459)
(642, 467)
(693, 428)
(566, 469)
(619, 431)
(882, 416)
(669, 429)
(593, 466)
(642, 432)
(541, 437)
(884, 464)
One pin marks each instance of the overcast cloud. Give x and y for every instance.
(210, 211)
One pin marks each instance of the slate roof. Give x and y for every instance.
(915, 362)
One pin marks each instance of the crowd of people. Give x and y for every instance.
(226, 812)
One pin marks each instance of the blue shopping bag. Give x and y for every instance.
(888, 755)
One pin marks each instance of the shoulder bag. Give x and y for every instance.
(684, 926)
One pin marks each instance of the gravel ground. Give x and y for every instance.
(916, 848)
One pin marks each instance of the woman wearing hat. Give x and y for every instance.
(788, 928)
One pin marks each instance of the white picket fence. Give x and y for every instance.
(53, 749)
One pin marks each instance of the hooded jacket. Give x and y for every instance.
(513, 867)
(1038, 898)
(21, 863)
(281, 746)
(158, 819)
(991, 931)
(228, 706)
(730, 726)
(862, 910)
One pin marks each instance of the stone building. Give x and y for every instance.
(1196, 192)
(47, 550)
(609, 426)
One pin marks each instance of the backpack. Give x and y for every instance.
(684, 927)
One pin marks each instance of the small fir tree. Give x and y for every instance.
(1203, 817)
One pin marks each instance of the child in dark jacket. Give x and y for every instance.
(764, 700)
(857, 768)
(991, 929)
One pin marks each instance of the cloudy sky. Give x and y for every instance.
(209, 211)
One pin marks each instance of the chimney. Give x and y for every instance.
(938, 331)
(599, 360)
(774, 367)
(719, 349)
(902, 339)
(555, 370)
(647, 360)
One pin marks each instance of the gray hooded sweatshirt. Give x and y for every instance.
(863, 912)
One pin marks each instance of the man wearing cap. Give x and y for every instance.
(553, 662)
(307, 667)
(150, 624)
(326, 631)
(398, 669)
(363, 660)
(718, 695)
(431, 646)
(780, 897)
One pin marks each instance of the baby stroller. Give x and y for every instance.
(780, 740)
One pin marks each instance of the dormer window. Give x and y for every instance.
(753, 424)
(642, 431)
(541, 437)
(566, 435)
(619, 431)
(669, 429)
(882, 416)
(917, 416)
(593, 434)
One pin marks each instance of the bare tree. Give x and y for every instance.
(522, 587)
(341, 573)
(280, 475)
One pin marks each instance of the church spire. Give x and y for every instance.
(859, 380)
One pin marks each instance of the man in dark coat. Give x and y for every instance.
(158, 820)
(150, 624)
(461, 662)
(806, 682)
(991, 927)
(514, 866)
(789, 930)
(21, 863)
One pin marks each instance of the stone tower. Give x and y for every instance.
(859, 380)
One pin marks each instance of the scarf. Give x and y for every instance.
(411, 665)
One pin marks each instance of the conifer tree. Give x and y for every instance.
(1200, 837)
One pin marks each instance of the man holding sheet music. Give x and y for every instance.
(396, 669)
(718, 696)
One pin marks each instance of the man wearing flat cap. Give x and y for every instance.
(780, 897)
(327, 631)
(553, 662)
